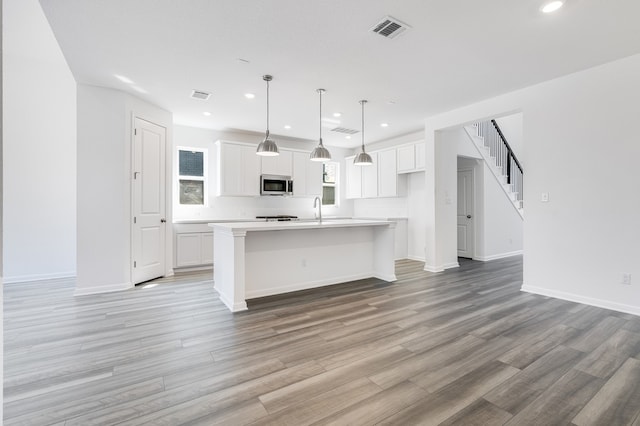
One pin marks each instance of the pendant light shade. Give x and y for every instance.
(320, 153)
(363, 159)
(267, 147)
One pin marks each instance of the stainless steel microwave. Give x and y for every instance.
(276, 185)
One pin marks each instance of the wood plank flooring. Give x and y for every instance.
(462, 347)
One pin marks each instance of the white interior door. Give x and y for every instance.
(149, 221)
(465, 214)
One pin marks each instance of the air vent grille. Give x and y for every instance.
(344, 130)
(390, 27)
(199, 94)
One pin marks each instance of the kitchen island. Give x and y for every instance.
(256, 259)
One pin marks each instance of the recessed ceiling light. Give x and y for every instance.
(123, 79)
(384, 124)
(347, 137)
(249, 95)
(551, 6)
(337, 114)
(207, 113)
(286, 126)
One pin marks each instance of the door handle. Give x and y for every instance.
(468, 216)
(163, 220)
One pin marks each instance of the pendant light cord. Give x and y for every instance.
(362, 103)
(320, 122)
(267, 108)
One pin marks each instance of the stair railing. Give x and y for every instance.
(504, 156)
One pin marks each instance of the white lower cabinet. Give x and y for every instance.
(193, 245)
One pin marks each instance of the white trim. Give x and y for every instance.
(108, 288)
(237, 307)
(628, 309)
(193, 268)
(441, 268)
(39, 277)
(498, 256)
(311, 284)
(416, 258)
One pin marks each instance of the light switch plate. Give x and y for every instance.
(545, 197)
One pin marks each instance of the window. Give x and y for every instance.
(192, 176)
(330, 184)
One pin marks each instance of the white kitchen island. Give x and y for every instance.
(265, 258)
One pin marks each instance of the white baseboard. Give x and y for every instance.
(571, 297)
(441, 268)
(108, 288)
(498, 256)
(416, 258)
(233, 307)
(193, 268)
(39, 277)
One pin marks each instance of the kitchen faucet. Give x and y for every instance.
(317, 203)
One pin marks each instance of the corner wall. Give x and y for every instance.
(580, 147)
(39, 157)
(104, 186)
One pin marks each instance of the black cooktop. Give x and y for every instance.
(280, 217)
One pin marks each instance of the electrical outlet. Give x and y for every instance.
(544, 197)
(626, 279)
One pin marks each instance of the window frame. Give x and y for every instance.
(204, 178)
(335, 185)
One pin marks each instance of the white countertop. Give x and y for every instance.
(292, 225)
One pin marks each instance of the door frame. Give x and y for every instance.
(474, 205)
(168, 199)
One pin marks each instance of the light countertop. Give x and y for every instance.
(300, 224)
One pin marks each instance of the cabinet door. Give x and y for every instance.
(314, 178)
(299, 174)
(206, 248)
(370, 178)
(420, 156)
(278, 165)
(230, 180)
(188, 250)
(354, 179)
(250, 171)
(406, 158)
(387, 174)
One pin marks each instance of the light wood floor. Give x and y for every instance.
(460, 347)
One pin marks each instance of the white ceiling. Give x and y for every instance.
(457, 52)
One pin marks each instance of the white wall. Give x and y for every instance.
(39, 158)
(104, 186)
(511, 127)
(581, 148)
(247, 207)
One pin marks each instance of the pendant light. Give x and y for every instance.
(320, 153)
(363, 159)
(267, 147)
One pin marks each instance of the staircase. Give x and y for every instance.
(496, 152)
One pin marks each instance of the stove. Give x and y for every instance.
(278, 218)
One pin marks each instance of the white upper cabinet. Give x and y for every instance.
(420, 156)
(387, 174)
(238, 169)
(354, 178)
(370, 178)
(411, 158)
(378, 180)
(278, 164)
(307, 176)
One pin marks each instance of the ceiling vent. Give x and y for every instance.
(199, 94)
(390, 27)
(344, 130)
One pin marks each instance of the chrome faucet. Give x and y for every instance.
(318, 203)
